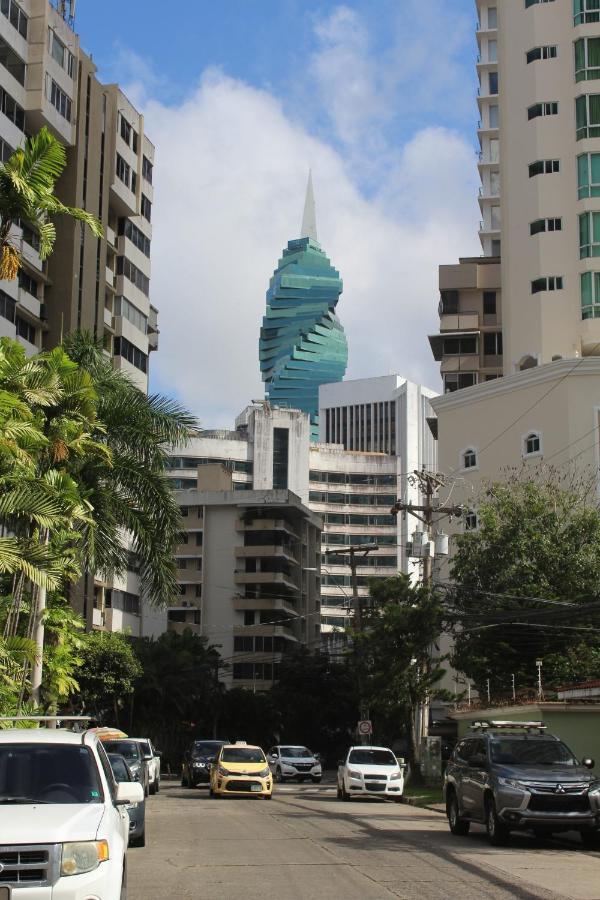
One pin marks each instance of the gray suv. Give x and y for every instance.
(508, 775)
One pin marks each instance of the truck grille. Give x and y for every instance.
(32, 865)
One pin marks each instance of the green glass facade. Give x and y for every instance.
(302, 343)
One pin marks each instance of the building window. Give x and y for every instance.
(544, 167)
(130, 312)
(7, 307)
(147, 169)
(589, 234)
(12, 62)
(146, 208)
(458, 380)
(587, 116)
(198, 591)
(587, 59)
(126, 130)
(133, 234)
(469, 458)
(545, 225)
(470, 520)
(492, 343)
(27, 283)
(532, 444)
(59, 52)
(492, 17)
(542, 109)
(552, 283)
(25, 330)
(590, 295)
(550, 51)
(11, 109)
(126, 268)
(132, 354)
(489, 303)
(15, 16)
(585, 11)
(281, 440)
(448, 303)
(59, 100)
(493, 82)
(494, 116)
(459, 346)
(123, 171)
(588, 175)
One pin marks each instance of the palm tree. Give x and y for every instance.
(27, 182)
(132, 494)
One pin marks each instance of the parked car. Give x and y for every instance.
(370, 770)
(241, 769)
(195, 768)
(152, 760)
(132, 752)
(64, 817)
(510, 775)
(294, 761)
(136, 811)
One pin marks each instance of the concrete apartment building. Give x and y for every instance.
(100, 285)
(545, 408)
(352, 490)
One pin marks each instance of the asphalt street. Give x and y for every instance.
(306, 844)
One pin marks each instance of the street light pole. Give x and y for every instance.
(539, 664)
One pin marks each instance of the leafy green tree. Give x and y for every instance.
(129, 491)
(109, 671)
(523, 581)
(27, 183)
(392, 656)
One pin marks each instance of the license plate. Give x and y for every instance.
(253, 787)
(4, 893)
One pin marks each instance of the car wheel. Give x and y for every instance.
(140, 840)
(184, 781)
(497, 832)
(457, 825)
(157, 786)
(316, 779)
(268, 796)
(278, 775)
(345, 794)
(591, 839)
(339, 792)
(153, 788)
(124, 883)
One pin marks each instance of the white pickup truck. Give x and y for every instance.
(370, 771)
(64, 825)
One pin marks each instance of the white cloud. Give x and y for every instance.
(229, 188)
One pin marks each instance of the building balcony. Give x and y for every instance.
(266, 578)
(109, 321)
(189, 576)
(181, 627)
(266, 551)
(590, 337)
(467, 363)
(249, 524)
(468, 321)
(265, 631)
(267, 604)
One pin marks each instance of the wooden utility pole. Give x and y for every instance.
(363, 549)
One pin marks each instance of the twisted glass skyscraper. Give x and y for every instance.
(302, 343)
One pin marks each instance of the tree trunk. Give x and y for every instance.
(416, 776)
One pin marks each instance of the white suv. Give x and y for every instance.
(64, 825)
(152, 760)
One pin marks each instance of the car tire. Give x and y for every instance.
(316, 780)
(278, 776)
(268, 796)
(184, 781)
(153, 788)
(345, 794)
(157, 786)
(140, 840)
(498, 833)
(339, 792)
(123, 895)
(457, 825)
(590, 839)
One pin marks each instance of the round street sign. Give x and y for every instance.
(365, 727)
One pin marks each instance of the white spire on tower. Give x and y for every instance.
(309, 219)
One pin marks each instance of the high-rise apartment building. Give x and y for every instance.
(302, 343)
(99, 285)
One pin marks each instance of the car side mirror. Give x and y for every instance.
(588, 762)
(273, 757)
(129, 792)
(341, 762)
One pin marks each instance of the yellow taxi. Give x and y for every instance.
(241, 768)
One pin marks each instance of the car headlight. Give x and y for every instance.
(513, 783)
(594, 787)
(395, 776)
(223, 771)
(199, 765)
(264, 772)
(83, 856)
(354, 774)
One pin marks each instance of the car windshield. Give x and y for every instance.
(531, 753)
(243, 755)
(48, 773)
(206, 748)
(295, 752)
(369, 757)
(145, 748)
(119, 767)
(129, 749)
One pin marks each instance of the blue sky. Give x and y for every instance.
(240, 99)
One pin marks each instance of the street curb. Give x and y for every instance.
(410, 801)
